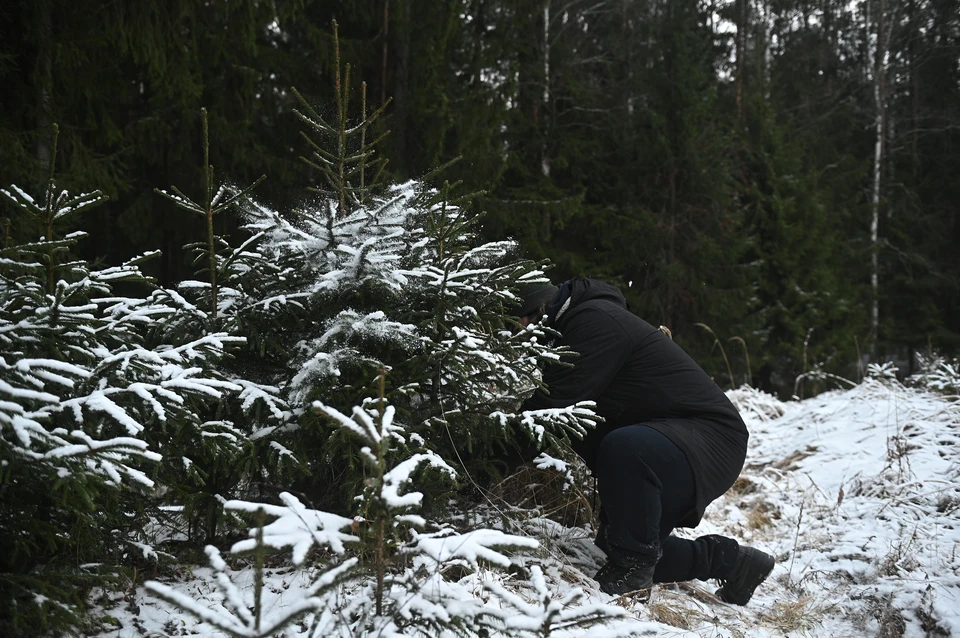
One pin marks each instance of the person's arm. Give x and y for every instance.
(603, 347)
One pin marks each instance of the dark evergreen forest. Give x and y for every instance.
(774, 181)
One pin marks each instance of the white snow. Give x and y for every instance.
(99, 402)
(855, 492)
(25, 196)
(295, 526)
(398, 478)
(471, 547)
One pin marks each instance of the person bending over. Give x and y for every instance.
(670, 443)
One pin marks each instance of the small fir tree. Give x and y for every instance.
(88, 390)
(398, 587)
(384, 291)
(233, 451)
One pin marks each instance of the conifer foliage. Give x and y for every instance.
(360, 340)
(91, 389)
(376, 306)
(400, 589)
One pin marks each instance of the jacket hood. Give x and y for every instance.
(575, 292)
(592, 290)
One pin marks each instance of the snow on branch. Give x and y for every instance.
(471, 547)
(234, 615)
(26, 394)
(572, 420)
(56, 205)
(549, 613)
(99, 402)
(339, 254)
(546, 462)
(88, 445)
(296, 527)
(268, 395)
(399, 476)
(373, 429)
(373, 325)
(78, 451)
(938, 374)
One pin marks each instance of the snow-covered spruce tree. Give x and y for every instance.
(407, 592)
(416, 294)
(937, 373)
(85, 386)
(363, 278)
(232, 454)
(384, 291)
(474, 363)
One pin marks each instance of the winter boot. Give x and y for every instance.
(751, 569)
(627, 571)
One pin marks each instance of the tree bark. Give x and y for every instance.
(531, 66)
(44, 74)
(386, 48)
(879, 99)
(767, 53)
(544, 156)
(401, 76)
(741, 35)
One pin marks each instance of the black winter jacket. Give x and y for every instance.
(637, 375)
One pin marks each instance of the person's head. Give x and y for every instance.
(536, 300)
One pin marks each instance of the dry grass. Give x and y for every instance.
(892, 624)
(742, 487)
(801, 615)
(675, 616)
(546, 491)
(698, 592)
(628, 600)
(789, 463)
(672, 607)
(762, 515)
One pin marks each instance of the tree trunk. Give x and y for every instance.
(828, 48)
(531, 67)
(741, 35)
(401, 76)
(544, 155)
(767, 53)
(386, 48)
(44, 75)
(914, 89)
(879, 99)
(627, 37)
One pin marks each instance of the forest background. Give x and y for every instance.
(770, 178)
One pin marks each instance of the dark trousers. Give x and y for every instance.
(646, 488)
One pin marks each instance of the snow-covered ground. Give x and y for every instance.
(855, 493)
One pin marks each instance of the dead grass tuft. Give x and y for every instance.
(762, 515)
(789, 463)
(699, 592)
(892, 624)
(889, 619)
(631, 598)
(672, 607)
(743, 486)
(547, 491)
(928, 616)
(800, 615)
(672, 615)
